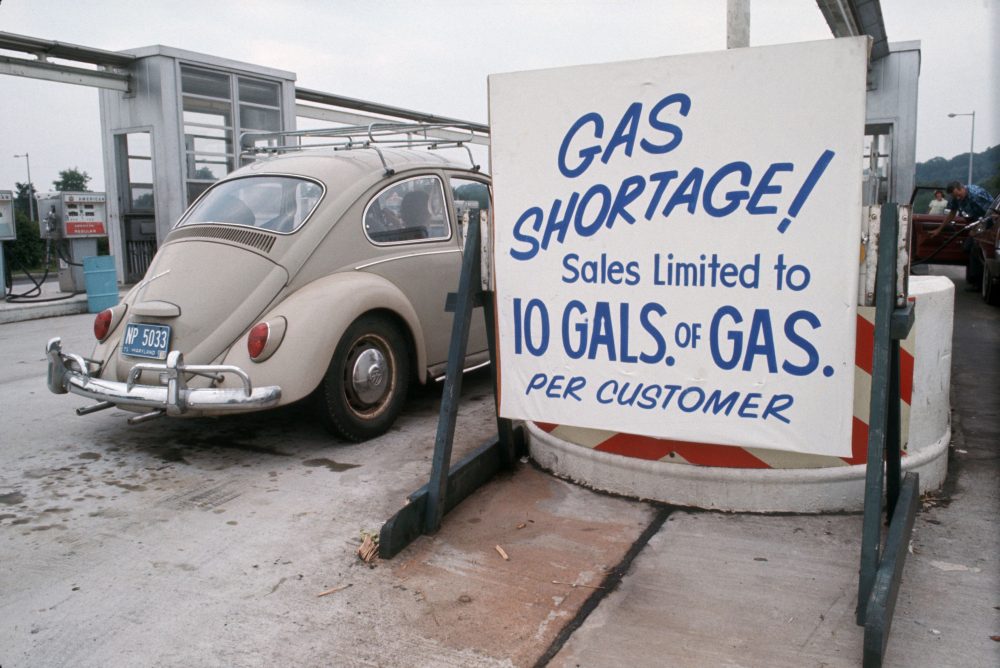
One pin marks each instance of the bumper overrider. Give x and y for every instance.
(71, 373)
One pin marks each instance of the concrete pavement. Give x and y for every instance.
(46, 301)
(589, 579)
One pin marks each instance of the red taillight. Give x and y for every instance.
(258, 339)
(102, 324)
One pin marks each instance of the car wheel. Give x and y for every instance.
(367, 380)
(973, 268)
(990, 289)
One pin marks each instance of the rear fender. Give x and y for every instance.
(317, 316)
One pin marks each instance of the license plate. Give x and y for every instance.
(150, 341)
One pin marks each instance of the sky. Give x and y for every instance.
(435, 55)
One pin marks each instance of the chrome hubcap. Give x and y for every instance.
(369, 377)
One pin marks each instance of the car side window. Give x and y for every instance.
(407, 212)
(470, 197)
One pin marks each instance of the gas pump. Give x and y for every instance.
(8, 232)
(74, 221)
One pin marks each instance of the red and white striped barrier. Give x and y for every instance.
(754, 479)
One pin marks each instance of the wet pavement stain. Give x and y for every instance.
(36, 474)
(275, 587)
(247, 447)
(223, 443)
(12, 499)
(125, 486)
(169, 455)
(330, 464)
(235, 440)
(168, 564)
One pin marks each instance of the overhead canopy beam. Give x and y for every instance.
(111, 76)
(36, 69)
(352, 118)
(46, 48)
(41, 68)
(307, 95)
(853, 18)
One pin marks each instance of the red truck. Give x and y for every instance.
(970, 243)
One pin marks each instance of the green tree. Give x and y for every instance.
(28, 250)
(940, 171)
(22, 202)
(72, 180)
(474, 192)
(992, 184)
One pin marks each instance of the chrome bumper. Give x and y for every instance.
(71, 373)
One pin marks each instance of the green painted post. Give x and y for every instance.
(468, 286)
(885, 302)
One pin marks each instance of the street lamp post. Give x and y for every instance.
(31, 199)
(972, 140)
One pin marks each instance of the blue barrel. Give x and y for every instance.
(102, 282)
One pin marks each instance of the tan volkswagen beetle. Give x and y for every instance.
(320, 273)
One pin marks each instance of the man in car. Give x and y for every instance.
(971, 201)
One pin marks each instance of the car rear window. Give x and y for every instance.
(279, 204)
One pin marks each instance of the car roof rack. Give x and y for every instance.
(374, 136)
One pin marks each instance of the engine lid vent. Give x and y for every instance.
(240, 235)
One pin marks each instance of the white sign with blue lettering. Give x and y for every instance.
(676, 244)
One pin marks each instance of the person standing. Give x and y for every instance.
(938, 204)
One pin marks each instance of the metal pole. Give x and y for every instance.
(737, 24)
(437, 486)
(972, 142)
(885, 301)
(893, 457)
(3, 275)
(31, 198)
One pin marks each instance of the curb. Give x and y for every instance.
(20, 312)
(817, 490)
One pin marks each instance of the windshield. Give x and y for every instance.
(276, 203)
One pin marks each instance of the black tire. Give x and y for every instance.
(990, 289)
(973, 268)
(366, 383)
